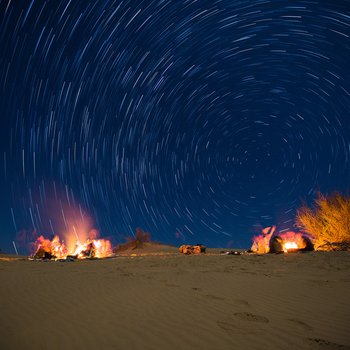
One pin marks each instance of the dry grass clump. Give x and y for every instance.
(134, 242)
(328, 222)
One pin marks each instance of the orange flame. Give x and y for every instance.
(261, 242)
(96, 248)
(289, 245)
(290, 241)
(55, 249)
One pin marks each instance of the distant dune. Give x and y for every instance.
(149, 248)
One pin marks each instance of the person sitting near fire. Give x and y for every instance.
(90, 251)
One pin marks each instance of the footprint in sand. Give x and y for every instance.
(317, 343)
(213, 297)
(172, 285)
(238, 329)
(127, 274)
(227, 326)
(242, 302)
(248, 272)
(320, 282)
(300, 324)
(247, 316)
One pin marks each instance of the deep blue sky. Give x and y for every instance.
(202, 120)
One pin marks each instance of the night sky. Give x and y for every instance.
(198, 121)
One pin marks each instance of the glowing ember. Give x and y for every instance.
(55, 249)
(289, 245)
(292, 241)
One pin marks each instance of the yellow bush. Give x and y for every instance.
(328, 222)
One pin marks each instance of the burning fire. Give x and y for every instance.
(55, 249)
(284, 242)
(289, 245)
(261, 242)
(292, 241)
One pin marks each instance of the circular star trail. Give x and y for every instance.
(195, 120)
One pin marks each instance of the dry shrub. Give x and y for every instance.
(142, 236)
(328, 222)
(134, 243)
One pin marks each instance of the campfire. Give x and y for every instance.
(289, 246)
(293, 241)
(55, 249)
(288, 242)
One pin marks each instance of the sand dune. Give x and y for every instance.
(149, 301)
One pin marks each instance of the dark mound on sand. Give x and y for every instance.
(148, 248)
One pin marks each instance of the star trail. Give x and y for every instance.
(201, 121)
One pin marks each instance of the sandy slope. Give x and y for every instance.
(178, 302)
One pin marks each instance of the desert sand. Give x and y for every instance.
(159, 299)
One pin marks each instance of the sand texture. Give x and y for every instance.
(172, 301)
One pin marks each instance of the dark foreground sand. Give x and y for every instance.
(295, 301)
